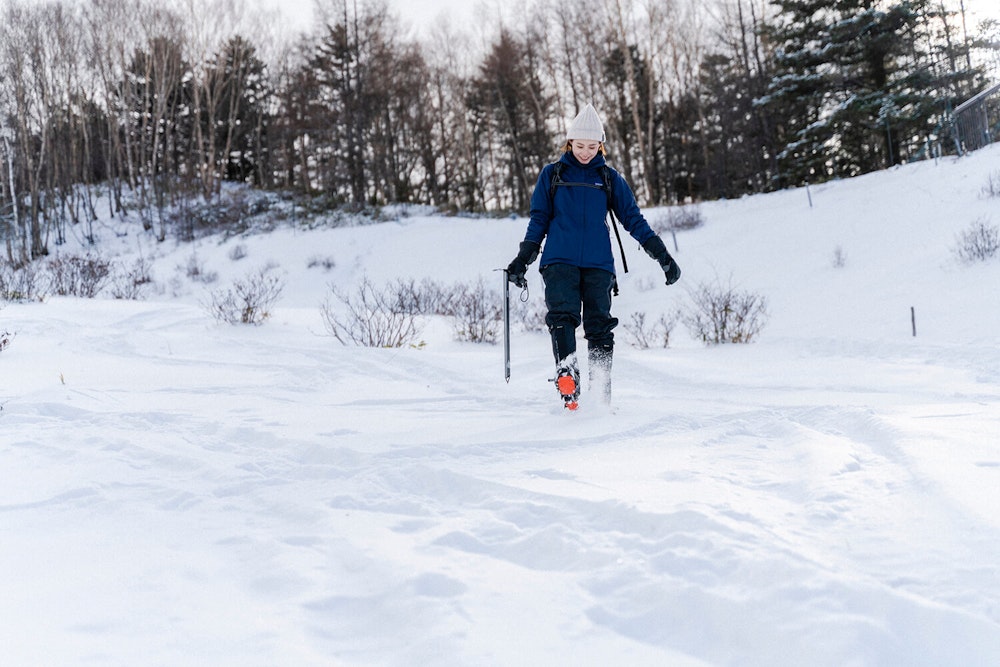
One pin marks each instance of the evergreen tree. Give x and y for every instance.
(860, 83)
(240, 130)
(510, 105)
(736, 161)
(366, 104)
(338, 136)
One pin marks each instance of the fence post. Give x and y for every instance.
(888, 137)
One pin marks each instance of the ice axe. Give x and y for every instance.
(506, 326)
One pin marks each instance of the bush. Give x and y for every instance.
(724, 315)
(232, 212)
(370, 318)
(477, 313)
(839, 258)
(388, 317)
(531, 313)
(992, 186)
(249, 300)
(655, 334)
(20, 284)
(131, 283)
(73, 275)
(326, 263)
(5, 338)
(677, 218)
(978, 243)
(426, 298)
(237, 252)
(195, 270)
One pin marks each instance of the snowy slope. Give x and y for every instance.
(182, 492)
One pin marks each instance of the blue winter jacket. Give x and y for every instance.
(572, 220)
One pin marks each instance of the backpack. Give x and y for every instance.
(605, 171)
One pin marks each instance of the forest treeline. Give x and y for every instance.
(156, 105)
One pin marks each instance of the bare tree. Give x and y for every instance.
(23, 43)
(11, 224)
(623, 28)
(452, 152)
(110, 38)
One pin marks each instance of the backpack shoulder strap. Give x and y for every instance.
(606, 176)
(608, 189)
(557, 168)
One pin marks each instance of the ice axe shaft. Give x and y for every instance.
(506, 326)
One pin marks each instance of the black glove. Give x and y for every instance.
(519, 265)
(654, 248)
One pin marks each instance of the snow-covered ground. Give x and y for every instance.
(178, 491)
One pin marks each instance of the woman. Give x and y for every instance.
(568, 209)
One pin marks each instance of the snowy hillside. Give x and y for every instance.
(178, 491)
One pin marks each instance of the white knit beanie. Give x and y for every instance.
(587, 125)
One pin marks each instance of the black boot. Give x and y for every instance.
(563, 342)
(599, 359)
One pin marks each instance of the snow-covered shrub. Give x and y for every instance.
(531, 314)
(676, 218)
(131, 282)
(388, 317)
(719, 314)
(839, 258)
(477, 313)
(369, 317)
(76, 275)
(249, 300)
(475, 310)
(326, 263)
(237, 252)
(20, 284)
(425, 298)
(644, 335)
(195, 270)
(232, 212)
(992, 186)
(978, 243)
(5, 338)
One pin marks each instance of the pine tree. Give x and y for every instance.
(239, 75)
(862, 80)
(507, 101)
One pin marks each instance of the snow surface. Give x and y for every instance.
(178, 491)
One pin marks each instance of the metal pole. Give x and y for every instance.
(506, 326)
(888, 136)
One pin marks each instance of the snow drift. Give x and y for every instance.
(182, 492)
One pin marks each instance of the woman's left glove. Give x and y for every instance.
(526, 254)
(654, 248)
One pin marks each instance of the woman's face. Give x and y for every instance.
(584, 150)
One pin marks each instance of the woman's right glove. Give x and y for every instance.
(654, 248)
(526, 254)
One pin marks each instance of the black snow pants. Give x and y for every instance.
(570, 290)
